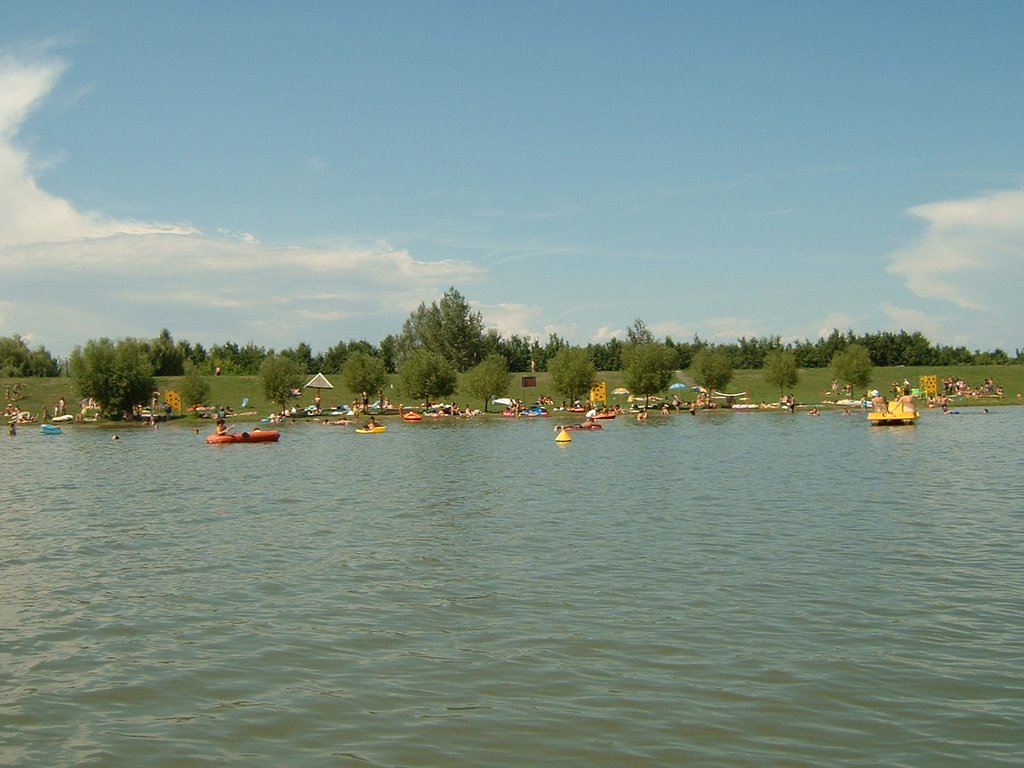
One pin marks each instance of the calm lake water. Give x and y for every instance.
(714, 590)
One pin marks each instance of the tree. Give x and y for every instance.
(425, 375)
(251, 357)
(280, 378)
(389, 352)
(16, 359)
(637, 334)
(853, 365)
(449, 328)
(462, 331)
(711, 368)
(686, 349)
(364, 372)
(231, 358)
(491, 377)
(649, 368)
(543, 355)
(607, 356)
(900, 348)
(419, 331)
(41, 363)
(334, 358)
(192, 353)
(751, 353)
(780, 369)
(572, 372)
(13, 355)
(166, 357)
(516, 350)
(818, 354)
(117, 376)
(302, 354)
(194, 388)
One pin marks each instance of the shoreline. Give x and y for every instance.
(243, 393)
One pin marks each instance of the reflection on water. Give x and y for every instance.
(720, 589)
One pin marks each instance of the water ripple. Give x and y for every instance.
(731, 591)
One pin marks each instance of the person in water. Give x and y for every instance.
(221, 428)
(371, 424)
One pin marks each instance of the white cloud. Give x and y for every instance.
(72, 275)
(835, 321)
(724, 330)
(242, 237)
(679, 332)
(509, 319)
(713, 329)
(23, 85)
(970, 251)
(28, 214)
(914, 319)
(605, 334)
(141, 283)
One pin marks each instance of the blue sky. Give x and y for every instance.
(313, 171)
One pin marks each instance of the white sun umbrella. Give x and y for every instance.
(319, 382)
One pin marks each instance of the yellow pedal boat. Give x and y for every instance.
(895, 415)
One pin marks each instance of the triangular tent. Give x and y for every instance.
(319, 382)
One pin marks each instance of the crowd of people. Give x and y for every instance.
(901, 393)
(60, 409)
(14, 414)
(958, 386)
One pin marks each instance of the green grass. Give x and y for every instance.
(813, 387)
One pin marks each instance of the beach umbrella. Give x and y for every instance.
(678, 385)
(620, 391)
(319, 382)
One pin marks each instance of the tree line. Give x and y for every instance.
(451, 329)
(445, 340)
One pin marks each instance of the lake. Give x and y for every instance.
(725, 589)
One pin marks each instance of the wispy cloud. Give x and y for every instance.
(134, 277)
(605, 334)
(834, 321)
(728, 329)
(924, 322)
(28, 214)
(775, 212)
(970, 250)
(23, 84)
(510, 319)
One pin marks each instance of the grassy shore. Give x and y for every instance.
(813, 387)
